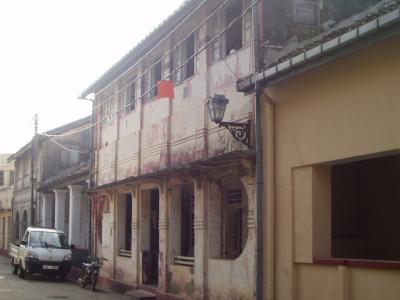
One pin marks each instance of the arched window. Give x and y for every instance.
(228, 210)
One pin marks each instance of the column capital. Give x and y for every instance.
(47, 195)
(75, 187)
(60, 191)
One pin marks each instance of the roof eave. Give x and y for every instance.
(140, 49)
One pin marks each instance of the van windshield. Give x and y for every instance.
(48, 240)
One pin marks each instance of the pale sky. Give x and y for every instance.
(51, 50)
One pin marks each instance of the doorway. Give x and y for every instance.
(150, 236)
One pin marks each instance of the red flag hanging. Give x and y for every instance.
(165, 89)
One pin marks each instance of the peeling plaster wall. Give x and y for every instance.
(210, 278)
(105, 239)
(123, 269)
(162, 133)
(181, 281)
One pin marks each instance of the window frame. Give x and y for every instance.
(129, 103)
(149, 80)
(180, 55)
(231, 208)
(218, 23)
(107, 110)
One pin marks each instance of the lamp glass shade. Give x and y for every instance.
(216, 107)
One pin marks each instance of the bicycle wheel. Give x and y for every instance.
(82, 280)
(94, 280)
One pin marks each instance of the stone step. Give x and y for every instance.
(139, 295)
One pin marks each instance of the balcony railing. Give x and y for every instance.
(125, 253)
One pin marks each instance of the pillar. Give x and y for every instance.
(47, 213)
(163, 256)
(201, 233)
(75, 195)
(60, 198)
(135, 257)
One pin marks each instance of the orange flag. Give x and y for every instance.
(165, 89)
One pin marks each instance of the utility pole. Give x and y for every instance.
(34, 151)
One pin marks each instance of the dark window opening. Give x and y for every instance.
(154, 216)
(11, 178)
(156, 76)
(233, 224)
(1, 178)
(150, 256)
(183, 60)
(189, 57)
(187, 228)
(128, 223)
(234, 38)
(365, 209)
(150, 79)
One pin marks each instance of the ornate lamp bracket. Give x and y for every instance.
(239, 131)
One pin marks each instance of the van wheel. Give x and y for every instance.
(14, 267)
(22, 272)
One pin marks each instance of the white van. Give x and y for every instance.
(41, 251)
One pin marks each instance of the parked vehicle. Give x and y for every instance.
(41, 251)
(90, 272)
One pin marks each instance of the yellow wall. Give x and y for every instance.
(342, 110)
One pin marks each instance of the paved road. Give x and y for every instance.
(37, 287)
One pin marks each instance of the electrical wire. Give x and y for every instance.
(166, 54)
(163, 78)
(63, 147)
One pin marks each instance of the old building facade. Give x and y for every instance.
(174, 194)
(330, 111)
(23, 191)
(64, 172)
(60, 174)
(6, 189)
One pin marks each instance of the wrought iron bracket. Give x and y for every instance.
(239, 131)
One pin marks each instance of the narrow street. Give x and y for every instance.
(37, 287)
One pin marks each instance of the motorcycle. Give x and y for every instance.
(90, 272)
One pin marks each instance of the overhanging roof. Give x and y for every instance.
(58, 130)
(141, 49)
(66, 176)
(194, 168)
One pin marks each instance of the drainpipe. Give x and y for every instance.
(90, 182)
(259, 196)
(259, 163)
(269, 207)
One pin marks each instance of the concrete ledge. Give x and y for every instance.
(357, 263)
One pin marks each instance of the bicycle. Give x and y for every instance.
(90, 272)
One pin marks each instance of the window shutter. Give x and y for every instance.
(246, 23)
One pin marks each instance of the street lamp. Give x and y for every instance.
(216, 108)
